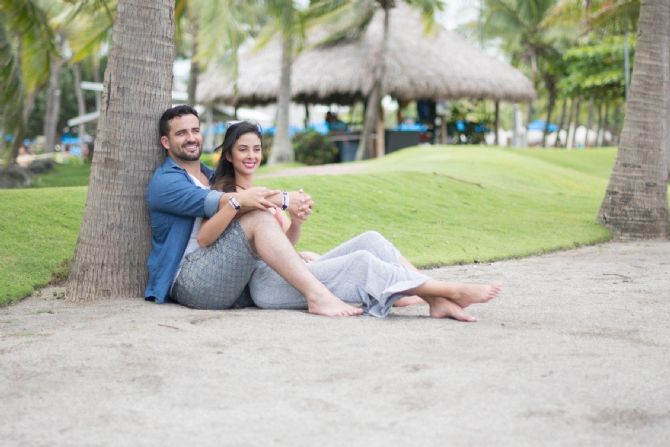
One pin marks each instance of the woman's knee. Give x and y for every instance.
(253, 220)
(361, 258)
(373, 236)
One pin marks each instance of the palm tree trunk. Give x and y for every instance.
(599, 123)
(575, 123)
(52, 109)
(81, 107)
(496, 124)
(375, 96)
(96, 78)
(550, 108)
(564, 107)
(282, 150)
(194, 72)
(636, 203)
(606, 115)
(115, 238)
(20, 130)
(589, 123)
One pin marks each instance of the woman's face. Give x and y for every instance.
(246, 154)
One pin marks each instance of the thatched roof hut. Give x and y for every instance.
(440, 65)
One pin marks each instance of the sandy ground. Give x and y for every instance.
(576, 352)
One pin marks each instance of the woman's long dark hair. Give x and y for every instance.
(224, 176)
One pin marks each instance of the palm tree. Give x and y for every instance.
(26, 47)
(531, 38)
(350, 19)
(288, 21)
(114, 240)
(636, 203)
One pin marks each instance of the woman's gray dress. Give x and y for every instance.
(365, 270)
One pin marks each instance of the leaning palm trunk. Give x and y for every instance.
(282, 151)
(375, 95)
(636, 204)
(52, 112)
(81, 106)
(114, 240)
(547, 121)
(194, 72)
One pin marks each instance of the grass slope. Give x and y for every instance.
(440, 205)
(38, 231)
(461, 204)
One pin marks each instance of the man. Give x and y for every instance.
(179, 194)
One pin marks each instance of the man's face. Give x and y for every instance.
(184, 141)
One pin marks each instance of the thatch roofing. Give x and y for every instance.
(440, 65)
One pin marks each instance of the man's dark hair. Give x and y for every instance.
(173, 112)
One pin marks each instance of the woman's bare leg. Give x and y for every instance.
(463, 294)
(272, 245)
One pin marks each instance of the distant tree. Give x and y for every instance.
(349, 19)
(636, 202)
(26, 47)
(531, 40)
(114, 240)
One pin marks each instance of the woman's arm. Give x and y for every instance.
(293, 231)
(252, 198)
(212, 228)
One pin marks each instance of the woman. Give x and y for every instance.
(367, 270)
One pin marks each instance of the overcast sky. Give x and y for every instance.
(457, 12)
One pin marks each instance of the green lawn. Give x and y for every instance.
(38, 231)
(70, 174)
(440, 205)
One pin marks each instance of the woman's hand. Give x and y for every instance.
(257, 198)
(309, 256)
(299, 202)
(300, 207)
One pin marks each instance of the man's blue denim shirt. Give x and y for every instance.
(174, 202)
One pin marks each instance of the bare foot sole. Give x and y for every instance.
(408, 301)
(475, 294)
(331, 306)
(444, 308)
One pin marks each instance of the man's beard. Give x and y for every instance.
(184, 156)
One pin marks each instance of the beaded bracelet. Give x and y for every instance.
(284, 200)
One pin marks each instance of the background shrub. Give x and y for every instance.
(312, 148)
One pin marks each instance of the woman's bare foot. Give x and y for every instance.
(468, 294)
(444, 308)
(329, 305)
(408, 301)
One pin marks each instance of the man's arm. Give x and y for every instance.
(171, 192)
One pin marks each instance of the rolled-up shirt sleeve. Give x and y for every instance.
(212, 202)
(173, 193)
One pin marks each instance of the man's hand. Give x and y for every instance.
(257, 198)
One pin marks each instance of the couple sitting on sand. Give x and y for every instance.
(219, 242)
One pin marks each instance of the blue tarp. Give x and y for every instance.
(539, 125)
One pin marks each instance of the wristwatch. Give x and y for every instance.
(234, 203)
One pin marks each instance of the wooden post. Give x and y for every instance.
(443, 129)
(497, 123)
(380, 133)
(306, 120)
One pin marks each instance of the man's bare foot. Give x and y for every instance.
(468, 294)
(444, 308)
(408, 301)
(329, 305)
